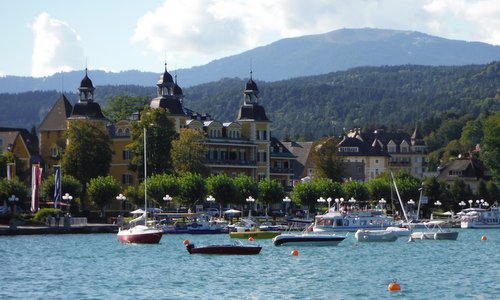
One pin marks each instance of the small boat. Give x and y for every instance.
(308, 239)
(400, 231)
(256, 234)
(194, 224)
(435, 231)
(234, 249)
(363, 235)
(334, 221)
(140, 234)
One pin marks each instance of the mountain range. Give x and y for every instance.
(337, 50)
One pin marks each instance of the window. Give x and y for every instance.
(126, 155)
(261, 176)
(348, 149)
(262, 156)
(126, 179)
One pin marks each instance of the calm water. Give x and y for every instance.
(97, 266)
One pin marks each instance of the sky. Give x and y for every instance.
(40, 38)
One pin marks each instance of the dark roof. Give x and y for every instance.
(251, 86)
(87, 109)
(279, 150)
(364, 148)
(463, 168)
(86, 83)
(8, 135)
(172, 104)
(252, 112)
(165, 78)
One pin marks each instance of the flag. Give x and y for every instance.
(57, 186)
(11, 171)
(36, 182)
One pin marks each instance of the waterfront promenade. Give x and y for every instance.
(43, 229)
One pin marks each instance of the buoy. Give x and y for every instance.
(484, 238)
(295, 253)
(394, 286)
(250, 239)
(186, 242)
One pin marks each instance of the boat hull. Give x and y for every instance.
(453, 235)
(307, 240)
(254, 234)
(477, 225)
(195, 231)
(375, 236)
(224, 249)
(140, 236)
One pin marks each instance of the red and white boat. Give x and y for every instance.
(141, 234)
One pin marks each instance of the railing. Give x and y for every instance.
(281, 170)
(232, 162)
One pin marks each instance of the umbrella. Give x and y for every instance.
(137, 212)
(232, 212)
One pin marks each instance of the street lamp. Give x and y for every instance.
(67, 197)
(337, 200)
(352, 201)
(470, 203)
(411, 203)
(481, 203)
(286, 200)
(13, 200)
(167, 198)
(250, 200)
(486, 204)
(438, 203)
(462, 204)
(211, 199)
(382, 203)
(329, 199)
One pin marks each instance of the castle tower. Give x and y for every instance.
(255, 127)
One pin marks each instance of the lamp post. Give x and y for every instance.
(250, 200)
(68, 198)
(462, 204)
(470, 203)
(167, 198)
(337, 200)
(411, 203)
(481, 202)
(211, 199)
(382, 203)
(286, 200)
(438, 203)
(329, 200)
(13, 200)
(321, 200)
(486, 204)
(352, 201)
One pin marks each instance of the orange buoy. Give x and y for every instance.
(394, 286)
(295, 253)
(250, 239)
(186, 242)
(484, 238)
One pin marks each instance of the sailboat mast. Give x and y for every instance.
(399, 197)
(145, 181)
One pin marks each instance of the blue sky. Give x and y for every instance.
(40, 38)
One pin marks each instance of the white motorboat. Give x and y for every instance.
(435, 231)
(400, 231)
(363, 235)
(306, 237)
(480, 218)
(334, 221)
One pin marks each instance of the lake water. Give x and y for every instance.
(97, 266)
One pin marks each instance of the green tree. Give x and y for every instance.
(102, 191)
(459, 191)
(193, 189)
(490, 148)
(379, 188)
(356, 190)
(245, 186)
(69, 184)
(493, 191)
(16, 188)
(160, 132)
(223, 189)
(306, 194)
(121, 107)
(270, 191)
(88, 153)
(328, 163)
(159, 186)
(189, 152)
(328, 188)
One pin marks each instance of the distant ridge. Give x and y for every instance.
(294, 57)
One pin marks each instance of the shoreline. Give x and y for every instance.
(6, 230)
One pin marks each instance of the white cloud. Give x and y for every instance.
(181, 30)
(56, 47)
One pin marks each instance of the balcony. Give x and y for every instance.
(275, 170)
(229, 162)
